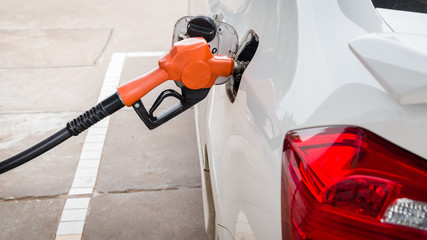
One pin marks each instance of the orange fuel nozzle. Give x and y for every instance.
(190, 61)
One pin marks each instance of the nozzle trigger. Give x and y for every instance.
(188, 99)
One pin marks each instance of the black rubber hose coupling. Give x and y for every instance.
(103, 109)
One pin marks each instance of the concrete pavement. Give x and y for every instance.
(54, 59)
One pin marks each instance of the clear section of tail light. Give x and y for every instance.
(408, 213)
(343, 183)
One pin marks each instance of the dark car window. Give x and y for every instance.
(405, 5)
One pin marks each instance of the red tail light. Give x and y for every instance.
(348, 183)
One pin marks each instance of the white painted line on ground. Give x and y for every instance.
(77, 203)
(92, 147)
(73, 216)
(75, 210)
(88, 164)
(87, 182)
(86, 172)
(69, 237)
(69, 215)
(80, 191)
(68, 228)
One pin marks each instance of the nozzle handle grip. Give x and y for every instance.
(134, 90)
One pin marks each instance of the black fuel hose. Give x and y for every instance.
(105, 108)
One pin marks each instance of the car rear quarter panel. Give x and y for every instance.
(303, 75)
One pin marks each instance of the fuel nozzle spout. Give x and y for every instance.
(239, 67)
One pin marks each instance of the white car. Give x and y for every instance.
(325, 137)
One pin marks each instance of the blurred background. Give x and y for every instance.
(54, 58)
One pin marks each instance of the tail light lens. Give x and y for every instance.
(348, 183)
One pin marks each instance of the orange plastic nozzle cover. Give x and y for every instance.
(132, 91)
(190, 61)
